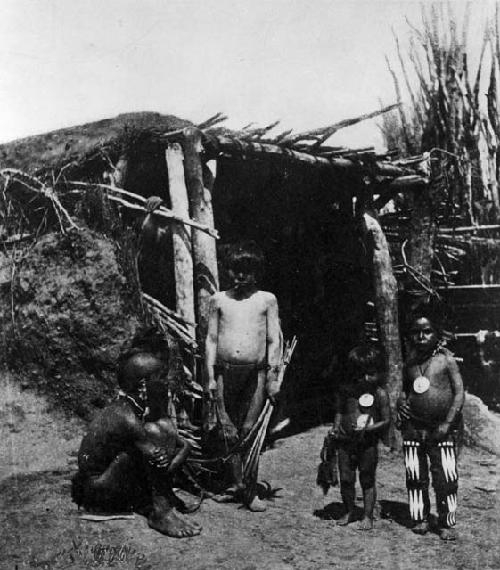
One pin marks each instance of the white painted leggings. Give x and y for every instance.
(443, 466)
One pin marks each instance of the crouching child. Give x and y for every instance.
(132, 450)
(362, 417)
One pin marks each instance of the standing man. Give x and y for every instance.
(243, 354)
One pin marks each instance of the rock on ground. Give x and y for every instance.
(482, 427)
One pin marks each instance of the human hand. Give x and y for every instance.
(403, 411)
(272, 390)
(153, 203)
(334, 432)
(356, 427)
(211, 389)
(159, 458)
(442, 430)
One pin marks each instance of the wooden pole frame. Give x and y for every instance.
(181, 236)
(386, 305)
(206, 275)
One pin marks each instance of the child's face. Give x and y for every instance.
(242, 277)
(423, 335)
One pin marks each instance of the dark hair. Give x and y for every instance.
(138, 366)
(424, 313)
(246, 256)
(366, 357)
(149, 339)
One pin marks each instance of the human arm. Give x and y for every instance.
(183, 448)
(273, 346)
(160, 444)
(337, 406)
(211, 346)
(385, 413)
(457, 403)
(403, 408)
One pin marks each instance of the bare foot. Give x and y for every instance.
(366, 523)
(346, 519)
(256, 505)
(421, 528)
(171, 524)
(448, 534)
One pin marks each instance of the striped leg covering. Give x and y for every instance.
(445, 481)
(417, 480)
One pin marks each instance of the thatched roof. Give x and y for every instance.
(87, 151)
(55, 149)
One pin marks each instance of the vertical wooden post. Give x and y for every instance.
(206, 277)
(181, 235)
(386, 304)
(421, 239)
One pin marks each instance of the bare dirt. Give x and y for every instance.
(41, 528)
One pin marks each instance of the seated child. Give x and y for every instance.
(429, 411)
(362, 416)
(132, 450)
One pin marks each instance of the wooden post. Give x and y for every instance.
(181, 235)
(206, 277)
(421, 239)
(386, 304)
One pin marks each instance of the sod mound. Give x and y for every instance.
(65, 313)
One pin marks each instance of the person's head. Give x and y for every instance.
(245, 264)
(142, 375)
(423, 333)
(367, 363)
(149, 340)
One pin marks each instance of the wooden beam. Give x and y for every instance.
(206, 277)
(221, 145)
(181, 235)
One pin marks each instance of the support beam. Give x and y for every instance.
(220, 145)
(206, 276)
(386, 304)
(181, 236)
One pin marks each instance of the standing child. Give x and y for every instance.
(361, 418)
(429, 410)
(243, 353)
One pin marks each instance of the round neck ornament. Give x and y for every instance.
(421, 384)
(366, 400)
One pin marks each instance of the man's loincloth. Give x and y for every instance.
(241, 391)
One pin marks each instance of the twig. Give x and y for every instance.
(39, 187)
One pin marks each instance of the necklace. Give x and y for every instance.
(140, 411)
(421, 383)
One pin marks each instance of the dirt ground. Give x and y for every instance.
(41, 529)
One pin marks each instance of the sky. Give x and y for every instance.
(307, 63)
